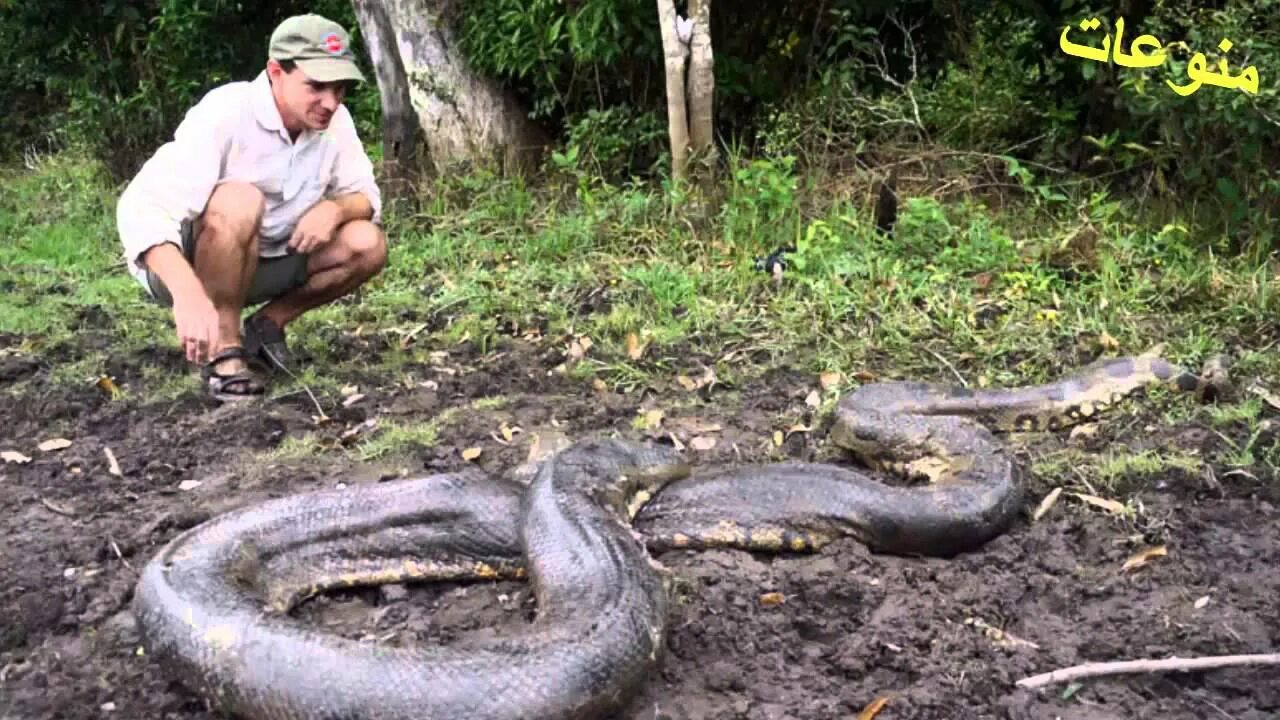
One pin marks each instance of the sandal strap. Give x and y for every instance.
(235, 352)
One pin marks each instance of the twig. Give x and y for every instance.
(949, 366)
(1146, 666)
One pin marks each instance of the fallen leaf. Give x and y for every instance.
(507, 432)
(777, 438)
(1104, 503)
(1086, 432)
(634, 349)
(58, 507)
(585, 342)
(1269, 397)
(54, 444)
(798, 429)
(649, 419)
(772, 599)
(113, 467)
(598, 385)
(1047, 503)
(1108, 342)
(702, 443)
(189, 485)
(10, 456)
(471, 453)
(1202, 601)
(352, 399)
(1137, 560)
(871, 710)
(108, 385)
(348, 390)
(813, 399)
(829, 380)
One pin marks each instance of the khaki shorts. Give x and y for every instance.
(275, 276)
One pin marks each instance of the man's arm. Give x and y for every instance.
(174, 186)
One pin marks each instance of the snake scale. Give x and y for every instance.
(213, 604)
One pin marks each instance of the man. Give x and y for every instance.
(265, 195)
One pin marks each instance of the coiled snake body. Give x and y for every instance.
(212, 604)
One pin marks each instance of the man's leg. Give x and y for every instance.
(226, 258)
(357, 252)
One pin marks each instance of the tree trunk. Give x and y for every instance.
(702, 85)
(673, 51)
(400, 131)
(464, 118)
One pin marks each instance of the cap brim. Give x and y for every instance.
(331, 69)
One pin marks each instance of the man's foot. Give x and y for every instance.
(265, 340)
(229, 378)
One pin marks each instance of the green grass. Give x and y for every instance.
(999, 298)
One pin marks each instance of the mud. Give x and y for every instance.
(752, 636)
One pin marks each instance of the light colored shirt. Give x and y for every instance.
(235, 133)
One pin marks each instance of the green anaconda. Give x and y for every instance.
(213, 604)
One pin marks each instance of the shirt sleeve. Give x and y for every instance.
(353, 171)
(175, 183)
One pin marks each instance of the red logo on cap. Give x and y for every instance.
(333, 43)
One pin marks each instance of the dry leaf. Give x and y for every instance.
(702, 442)
(772, 599)
(471, 453)
(113, 467)
(352, 399)
(1137, 560)
(634, 348)
(507, 432)
(108, 385)
(598, 385)
(797, 429)
(870, 711)
(348, 390)
(1269, 397)
(686, 382)
(1084, 431)
(57, 507)
(10, 456)
(777, 438)
(189, 484)
(1104, 503)
(55, 444)
(813, 399)
(1107, 342)
(585, 342)
(829, 380)
(1202, 601)
(1047, 503)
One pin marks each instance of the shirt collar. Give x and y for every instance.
(266, 112)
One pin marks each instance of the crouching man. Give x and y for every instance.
(264, 196)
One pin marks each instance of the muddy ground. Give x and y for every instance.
(854, 625)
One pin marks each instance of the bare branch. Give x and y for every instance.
(1146, 666)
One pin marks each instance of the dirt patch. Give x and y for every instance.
(944, 638)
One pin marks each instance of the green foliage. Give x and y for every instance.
(119, 80)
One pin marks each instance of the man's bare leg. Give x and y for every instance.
(357, 252)
(227, 257)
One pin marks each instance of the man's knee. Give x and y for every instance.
(234, 213)
(366, 243)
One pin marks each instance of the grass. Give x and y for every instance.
(996, 298)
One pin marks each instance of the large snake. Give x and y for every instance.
(213, 603)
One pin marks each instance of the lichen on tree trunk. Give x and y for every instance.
(463, 117)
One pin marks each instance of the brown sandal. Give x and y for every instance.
(231, 387)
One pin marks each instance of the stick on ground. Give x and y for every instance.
(1146, 666)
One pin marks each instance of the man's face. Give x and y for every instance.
(303, 102)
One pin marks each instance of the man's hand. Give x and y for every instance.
(197, 321)
(316, 227)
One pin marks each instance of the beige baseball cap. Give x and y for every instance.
(320, 47)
